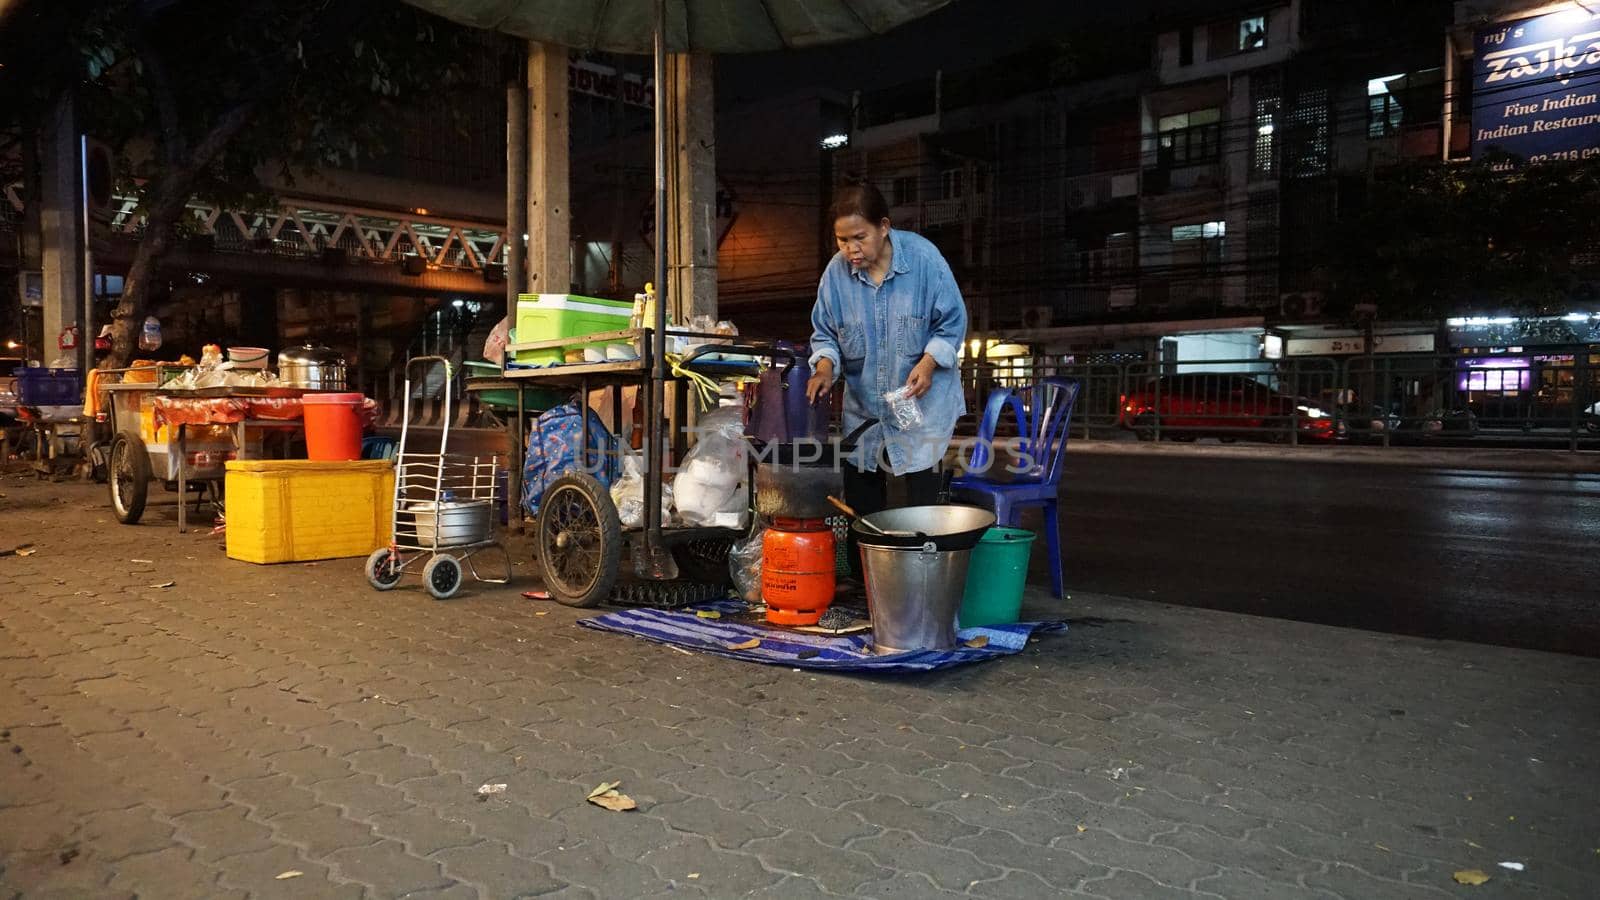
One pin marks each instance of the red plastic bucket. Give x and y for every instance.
(333, 426)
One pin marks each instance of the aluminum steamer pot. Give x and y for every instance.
(314, 368)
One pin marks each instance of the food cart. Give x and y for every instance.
(181, 438)
(579, 536)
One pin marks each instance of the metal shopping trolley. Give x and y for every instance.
(444, 508)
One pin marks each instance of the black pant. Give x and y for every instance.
(870, 492)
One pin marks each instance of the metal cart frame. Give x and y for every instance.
(578, 534)
(444, 507)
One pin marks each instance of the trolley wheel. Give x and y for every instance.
(704, 561)
(129, 477)
(442, 575)
(579, 540)
(383, 569)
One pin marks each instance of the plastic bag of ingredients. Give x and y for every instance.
(628, 494)
(715, 470)
(744, 563)
(494, 346)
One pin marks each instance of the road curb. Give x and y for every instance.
(1515, 460)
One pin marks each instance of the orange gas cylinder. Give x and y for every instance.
(797, 571)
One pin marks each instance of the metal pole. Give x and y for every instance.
(86, 333)
(516, 248)
(658, 355)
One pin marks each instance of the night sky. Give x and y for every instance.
(962, 35)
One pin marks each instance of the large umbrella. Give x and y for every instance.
(679, 26)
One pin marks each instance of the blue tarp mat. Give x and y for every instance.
(783, 647)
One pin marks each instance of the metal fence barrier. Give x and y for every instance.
(1523, 399)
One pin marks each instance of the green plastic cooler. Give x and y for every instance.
(549, 317)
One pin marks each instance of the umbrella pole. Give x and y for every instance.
(653, 443)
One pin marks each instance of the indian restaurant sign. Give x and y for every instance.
(1536, 88)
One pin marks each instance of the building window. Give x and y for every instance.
(1398, 101)
(1252, 34)
(1234, 36)
(1188, 139)
(1186, 47)
(1267, 105)
(905, 190)
(1198, 247)
(950, 184)
(1306, 141)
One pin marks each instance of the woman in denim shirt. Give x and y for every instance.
(888, 314)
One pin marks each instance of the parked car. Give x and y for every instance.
(1228, 407)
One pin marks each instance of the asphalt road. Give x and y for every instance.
(1495, 557)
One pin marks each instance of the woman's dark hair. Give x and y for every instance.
(862, 199)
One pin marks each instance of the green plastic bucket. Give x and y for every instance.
(995, 578)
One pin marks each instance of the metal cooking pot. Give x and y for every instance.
(794, 478)
(314, 368)
(947, 527)
(454, 522)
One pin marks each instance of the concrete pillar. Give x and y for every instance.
(691, 186)
(60, 212)
(549, 189)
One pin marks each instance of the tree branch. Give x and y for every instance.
(164, 97)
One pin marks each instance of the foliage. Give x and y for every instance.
(1436, 239)
(216, 100)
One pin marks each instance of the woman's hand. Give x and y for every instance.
(921, 378)
(821, 381)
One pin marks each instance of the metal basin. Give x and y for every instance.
(948, 527)
(455, 522)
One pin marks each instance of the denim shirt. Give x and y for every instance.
(875, 334)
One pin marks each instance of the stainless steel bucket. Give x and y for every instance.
(456, 522)
(913, 595)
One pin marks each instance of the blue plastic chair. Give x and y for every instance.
(1042, 427)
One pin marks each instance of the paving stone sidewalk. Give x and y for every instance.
(211, 738)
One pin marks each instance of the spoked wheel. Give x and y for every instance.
(579, 540)
(442, 576)
(383, 569)
(129, 477)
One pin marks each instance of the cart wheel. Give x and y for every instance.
(579, 540)
(129, 477)
(383, 569)
(442, 575)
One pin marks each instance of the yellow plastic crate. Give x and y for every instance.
(294, 510)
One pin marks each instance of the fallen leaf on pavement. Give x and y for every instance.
(981, 640)
(26, 551)
(292, 873)
(1471, 876)
(694, 874)
(747, 645)
(604, 786)
(491, 789)
(1082, 829)
(708, 614)
(614, 801)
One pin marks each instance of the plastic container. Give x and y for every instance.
(548, 317)
(248, 357)
(995, 578)
(294, 510)
(48, 387)
(333, 426)
(797, 571)
(904, 409)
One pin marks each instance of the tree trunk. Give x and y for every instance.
(129, 315)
